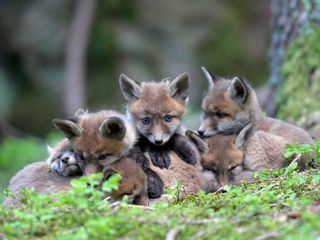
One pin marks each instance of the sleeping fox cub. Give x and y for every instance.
(232, 158)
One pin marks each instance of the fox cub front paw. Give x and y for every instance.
(185, 149)
(160, 158)
(139, 157)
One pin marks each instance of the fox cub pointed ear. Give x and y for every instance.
(50, 150)
(243, 136)
(113, 127)
(131, 89)
(68, 128)
(179, 87)
(197, 140)
(238, 90)
(212, 78)
(80, 112)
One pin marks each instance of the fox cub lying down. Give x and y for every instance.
(230, 161)
(95, 142)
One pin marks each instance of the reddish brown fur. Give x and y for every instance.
(190, 176)
(262, 151)
(218, 100)
(155, 100)
(133, 182)
(222, 158)
(91, 143)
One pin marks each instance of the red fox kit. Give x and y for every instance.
(98, 138)
(232, 159)
(95, 142)
(230, 105)
(156, 109)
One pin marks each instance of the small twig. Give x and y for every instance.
(295, 159)
(140, 206)
(173, 233)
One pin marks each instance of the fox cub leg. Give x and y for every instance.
(155, 185)
(179, 144)
(185, 149)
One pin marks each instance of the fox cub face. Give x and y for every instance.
(225, 156)
(66, 163)
(98, 138)
(156, 108)
(228, 106)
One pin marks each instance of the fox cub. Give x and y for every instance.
(230, 105)
(241, 140)
(105, 139)
(156, 109)
(99, 139)
(94, 142)
(232, 159)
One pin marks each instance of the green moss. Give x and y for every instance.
(299, 93)
(278, 205)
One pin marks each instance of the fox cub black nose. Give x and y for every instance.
(158, 141)
(201, 132)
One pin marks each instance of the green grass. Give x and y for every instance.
(15, 153)
(279, 204)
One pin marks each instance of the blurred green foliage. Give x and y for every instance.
(102, 52)
(33, 36)
(228, 49)
(15, 153)
(299, 92)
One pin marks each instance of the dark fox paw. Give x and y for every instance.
(160, 159)
(138, 156)
(185, 149)
(155, 184)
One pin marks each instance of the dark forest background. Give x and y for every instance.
(57, 56)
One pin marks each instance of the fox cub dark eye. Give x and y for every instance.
(168, 118)
(146, 121)
(103, 156)
(221, 115)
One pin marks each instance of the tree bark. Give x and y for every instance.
(75, 58)
(289, 19)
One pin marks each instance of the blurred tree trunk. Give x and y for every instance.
(289, 19)
(75, 65)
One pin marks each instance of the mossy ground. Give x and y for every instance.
(283, 204)
(299, 92)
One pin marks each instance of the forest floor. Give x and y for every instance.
(282, 204)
